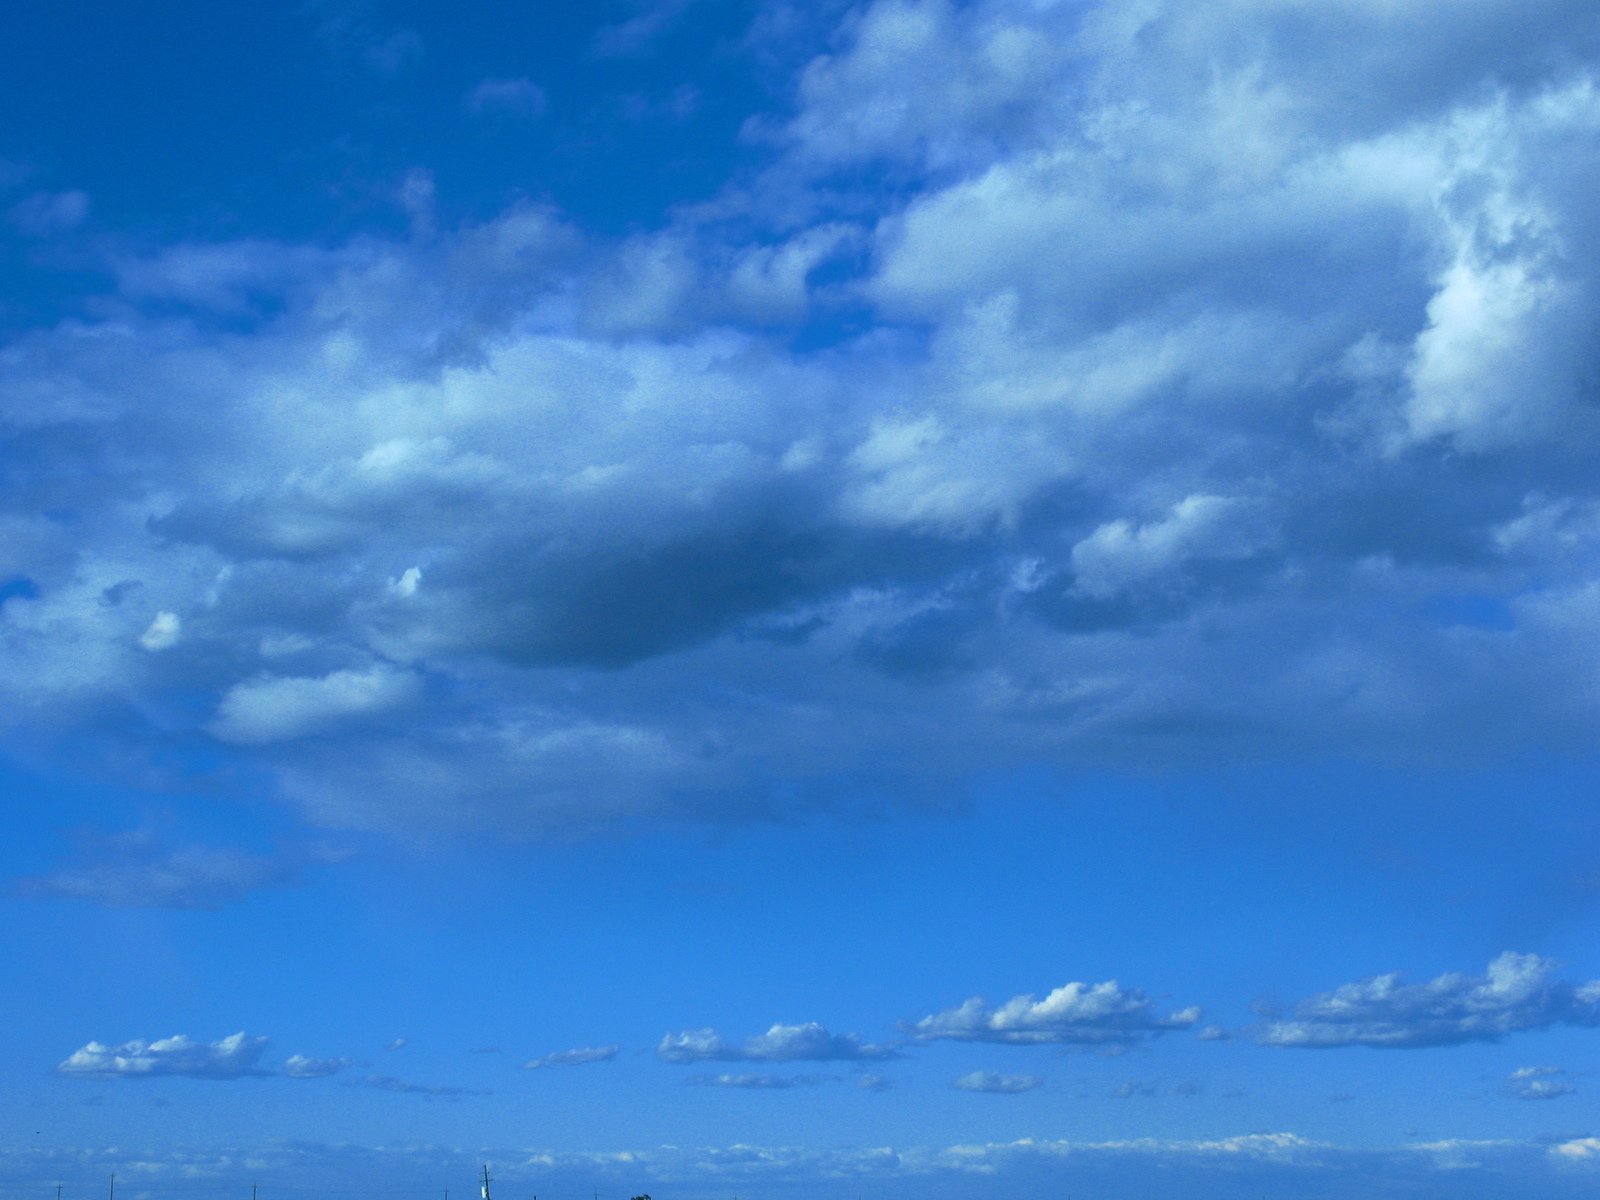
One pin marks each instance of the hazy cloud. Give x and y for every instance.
(998, 1084)
(809, 1042)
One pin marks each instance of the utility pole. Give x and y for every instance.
(485, 1181)
(113, 1185)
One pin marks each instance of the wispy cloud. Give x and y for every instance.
(782, 1043)
(139, 870)
(758, 1083)
(998, 1084)
(389, 1083)
(578, 1057)
(514, 97)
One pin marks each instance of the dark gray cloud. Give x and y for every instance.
(1517, 992)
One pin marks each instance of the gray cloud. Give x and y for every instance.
(998, 1084)
(388, 1083)
(809, 1042)
(634, 527)
(1517, 992)
(1539, 1083)
(1075, 1013)
(760, 1083)
(581, 1056)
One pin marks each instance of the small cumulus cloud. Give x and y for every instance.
(406, 586)
(581, 1056)
(162, 633)
(1075, 1013)
(233, 1057)
(300, 1066)
(1539, 1083)
(1517, 992)
(997, 1084)
(781, 1043)
(397, 1044)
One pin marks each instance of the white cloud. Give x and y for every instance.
(233, 1057)
(581, 1056)
(809, 1042)
(1517, 992)
(1539, 1083)
(1201, 336)
(299, 1066)
(1075, 1013)
(163, 632)
(272, 708)
(998, 1084)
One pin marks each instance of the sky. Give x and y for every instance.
(868, 598)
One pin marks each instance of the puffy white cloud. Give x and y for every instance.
(1517, 992)
(233, 1057)
(997, 1084)
(810, 1042)
(578, 1057)
(1075, 1013)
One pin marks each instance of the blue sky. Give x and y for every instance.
(903, 598)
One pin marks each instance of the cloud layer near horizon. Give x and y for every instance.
(1190, 400)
